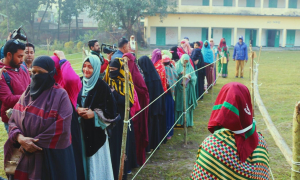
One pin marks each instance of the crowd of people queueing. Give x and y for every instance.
(70, 127)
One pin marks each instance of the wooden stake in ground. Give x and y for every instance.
(259, 54)
(48, 45)
(126, 117)
(184, 104)
(296, 143)
(212, 89)
(252, 78)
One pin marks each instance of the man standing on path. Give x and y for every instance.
(240, 54)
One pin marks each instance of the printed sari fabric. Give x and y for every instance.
(218, 158)
(160, 68)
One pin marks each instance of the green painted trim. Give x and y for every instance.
(249, 133)
(228, 106)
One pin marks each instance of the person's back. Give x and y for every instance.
(123, 48)
(225, 139)
(234, 150)
(16, 78)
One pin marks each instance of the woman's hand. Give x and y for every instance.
(196, 62)
(60, 54)
(28, 144)
(82, 111)
(89, 114)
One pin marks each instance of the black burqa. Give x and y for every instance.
(115, 140)
(157, 110)
(175, 56)
(197, 56)
(55, 160)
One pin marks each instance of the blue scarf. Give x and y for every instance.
(208, 55)
(89, 83)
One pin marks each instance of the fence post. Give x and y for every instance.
(252, 79)
(296, 143)
(184, 103)
(126, 117)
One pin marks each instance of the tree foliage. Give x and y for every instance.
(125, 13)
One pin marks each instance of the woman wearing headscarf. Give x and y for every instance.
(215, 52)
(223, 52)
(67, 78)
(40, 126)
(175, 56)
(190, 92)
(170, 55)
(96, 108)
(235, 150)
(140, 122)
(115, 78)
(133, 46)
(171, 76)
(208, 59)
(157, 62)
(197, 57)
(157, 110)
(185, 48)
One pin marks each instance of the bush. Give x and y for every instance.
(79, 46)
(57, 46)
(69, 46)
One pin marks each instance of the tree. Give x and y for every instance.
(125, 13)
(68, 11)
(22, 13)
(59, 17)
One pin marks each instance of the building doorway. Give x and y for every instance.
(160, 36)
(250, 37)
(273, 37)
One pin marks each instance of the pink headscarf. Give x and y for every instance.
(186, 46)
(201, 44)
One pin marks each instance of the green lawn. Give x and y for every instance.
(280, 83)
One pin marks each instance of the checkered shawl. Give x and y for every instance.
(218, 158)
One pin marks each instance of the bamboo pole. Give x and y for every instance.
(212, 89)
(184, 104)
(259, 54)
(296, 143)
(252, 79)
(126, 117)
(48, 45)
(284, 148)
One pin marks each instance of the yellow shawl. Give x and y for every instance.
(119, 83)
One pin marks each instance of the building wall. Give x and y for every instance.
(243, 3)
(217, 35)
(171, 35)
(264, 37)
(194, 34)
(297, 38)
(241, 32)
(280, 4)
(153, 35)
(216, 22)
(192, 2)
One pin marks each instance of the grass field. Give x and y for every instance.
(279, 75)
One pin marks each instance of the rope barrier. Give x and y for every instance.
(171, 88)
(173, 127)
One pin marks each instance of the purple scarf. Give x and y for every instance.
(156, 55)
